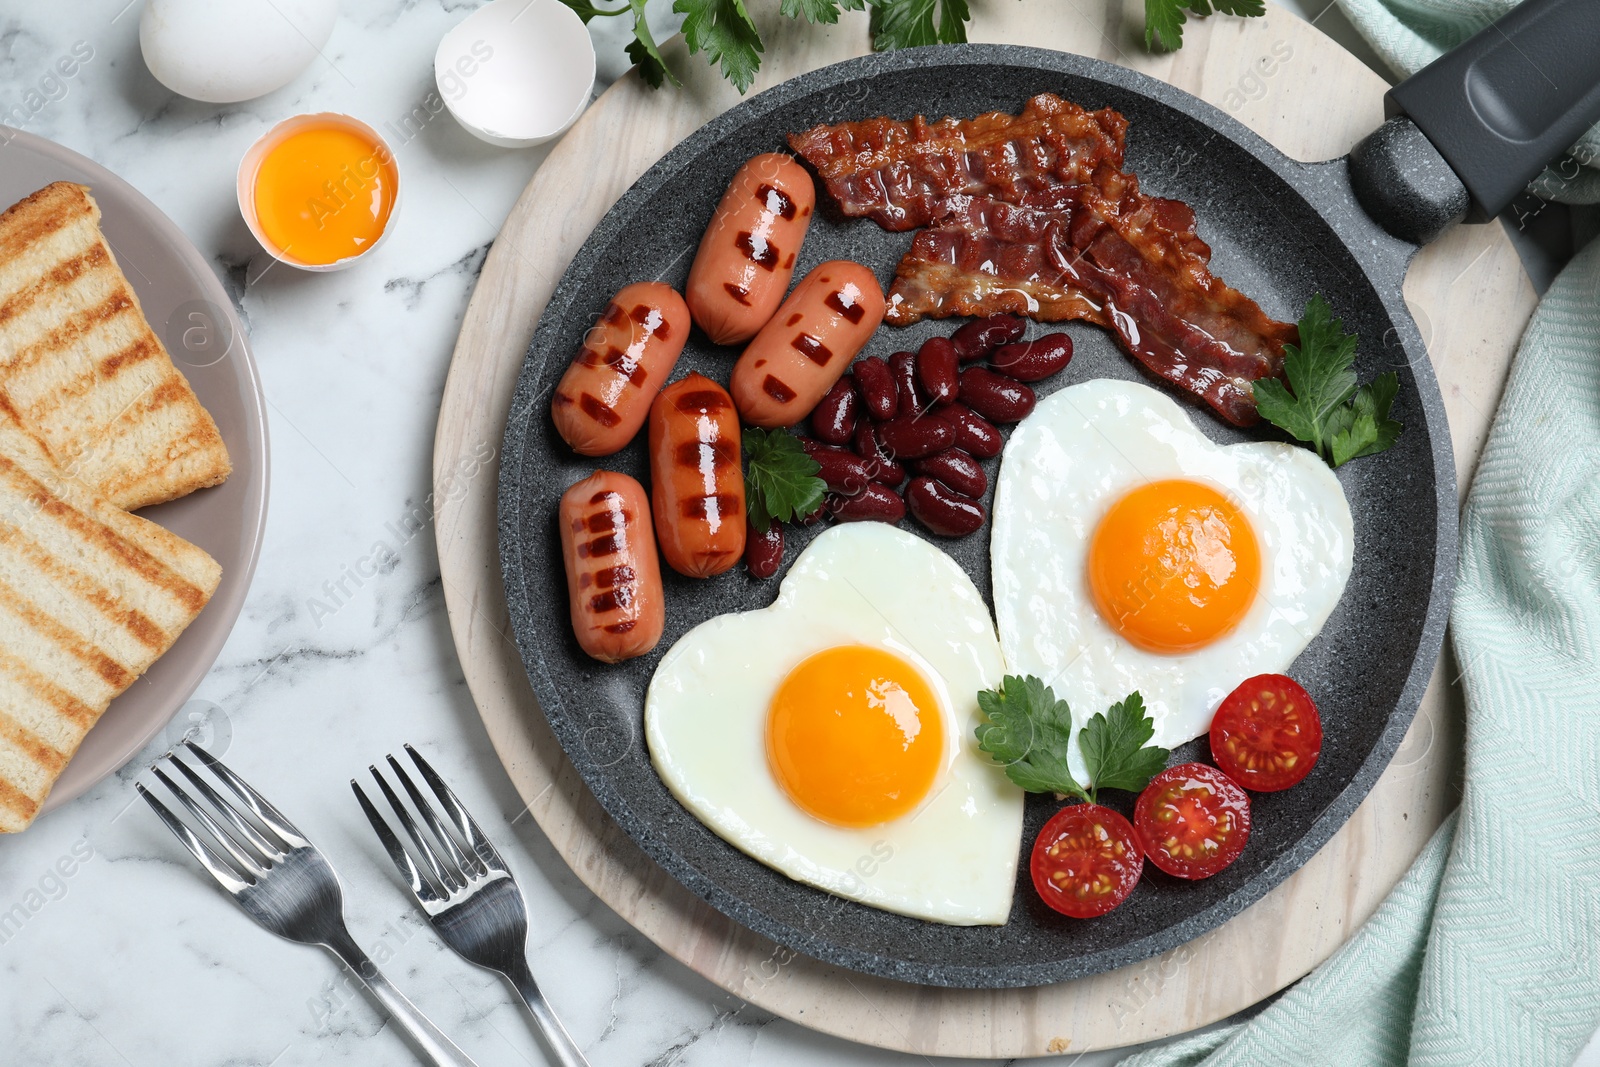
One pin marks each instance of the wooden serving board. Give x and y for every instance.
(1288, 82)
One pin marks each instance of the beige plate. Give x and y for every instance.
(194, 318)
(1276, 74)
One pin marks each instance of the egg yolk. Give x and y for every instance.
(1174, 566)
(855, 736)
(325, 193)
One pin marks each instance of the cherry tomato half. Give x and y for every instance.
(1193, 820)
(1266, 735)
(1086, 861)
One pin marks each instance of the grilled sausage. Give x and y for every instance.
(613, 577)
(746, 258)
(808, 344)
(604, 397)
(697, 486)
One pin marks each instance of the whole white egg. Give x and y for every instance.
(223, 51)
(1102, 447)
(868, 784)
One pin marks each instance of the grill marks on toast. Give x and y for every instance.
(81, 367)
(90, 596)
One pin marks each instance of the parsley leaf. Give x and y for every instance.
(780, 480)
(587, 11)
(724, 31)
(1116, 747)
(1322, 404)
(1164, 19)
(824, 11)
(909, 23)
(643, 51)
(1029, 731)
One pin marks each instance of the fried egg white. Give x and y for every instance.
(1084, 596)
(830, 735)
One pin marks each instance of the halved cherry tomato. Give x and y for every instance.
(1267, 733)
(1193, 820)
(1086, 861)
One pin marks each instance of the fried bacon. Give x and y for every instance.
(901, 175)
(1034, 215)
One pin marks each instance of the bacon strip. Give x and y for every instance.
(1033, 214)
(902, 174)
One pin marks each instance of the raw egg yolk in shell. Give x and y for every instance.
(855, 736)
(1174, 566)
(325, 193)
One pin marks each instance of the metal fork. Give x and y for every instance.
(468, 894)
(281, 881)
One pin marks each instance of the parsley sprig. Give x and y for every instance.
(1164, 19)
(1029, 730)
(780, 480)
(725, 32)
(1322, 405)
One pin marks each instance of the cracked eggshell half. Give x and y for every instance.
(516, 73)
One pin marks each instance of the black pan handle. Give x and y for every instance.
(1493, 111)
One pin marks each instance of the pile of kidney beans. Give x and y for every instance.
(928, 417)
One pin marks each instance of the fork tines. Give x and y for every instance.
(252, 840)
(453, 857)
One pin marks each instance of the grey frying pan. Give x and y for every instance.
(1466, 135)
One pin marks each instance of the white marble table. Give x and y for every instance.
(124, 953)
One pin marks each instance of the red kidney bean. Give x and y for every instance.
(1029, 361)
(936, 370)
(843, 470)
(974, 433)
(878, 392)
(946, 513)
(956, 469)
(995, 397)
(903, 368)
(912, 436)
(834, 418)
(885, 470)
(977, 339)
(763, 550)
(875, 503)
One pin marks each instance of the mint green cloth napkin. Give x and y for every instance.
(1488, 951)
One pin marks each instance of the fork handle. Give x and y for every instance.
(427, 1037)
(566, 1050)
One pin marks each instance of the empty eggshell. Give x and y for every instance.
(516, 72)
(238, 50)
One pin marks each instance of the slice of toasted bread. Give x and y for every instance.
(81, 368)
(90, 597)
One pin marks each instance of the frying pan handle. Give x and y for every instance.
(1495, 110)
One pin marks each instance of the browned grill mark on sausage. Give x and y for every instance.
(620, 627)
(614, 316)
(852, 310)
(598, 411)
(775, 200)
(696, 454)
(703, 402)
(700, 507)
(607, 577)
(638, 376)
(619, 598)
(764, 256)
(609, 545)
(592, 357)
(608, 520)
(777, 390)
(738, 292)
(794, 319)
(812, 349)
